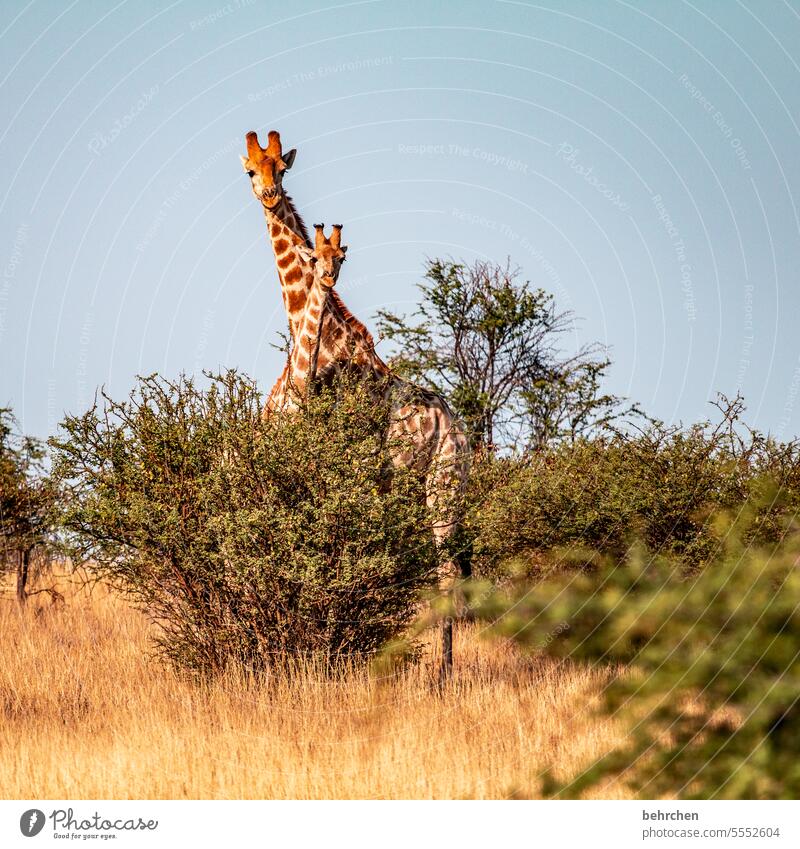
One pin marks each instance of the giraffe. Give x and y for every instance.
(326, 258)
(435, 443)
(422, 432)
(287, 231)
(266, 167)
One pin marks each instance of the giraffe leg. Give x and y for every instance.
(448, 576)
(446, 666)
(444, 489)
(432, 431)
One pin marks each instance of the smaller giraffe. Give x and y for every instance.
(326, 259)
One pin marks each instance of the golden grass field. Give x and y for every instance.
(87, 712)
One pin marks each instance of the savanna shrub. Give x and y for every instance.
(247, 539)
(658, 486)
(29, 508)
(709, 691)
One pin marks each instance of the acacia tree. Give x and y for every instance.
(28, 502)
(566, 402)
(488, 341)
(249, 540)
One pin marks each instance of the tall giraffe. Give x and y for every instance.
(420, 419)
(287, 232)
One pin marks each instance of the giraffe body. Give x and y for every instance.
(327, 337)
(422, 431)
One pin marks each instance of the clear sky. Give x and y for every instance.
(639, 160)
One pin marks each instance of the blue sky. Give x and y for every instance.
(639, 160)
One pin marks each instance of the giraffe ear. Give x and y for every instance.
(288, 159)
(304, 252)
(244, 162)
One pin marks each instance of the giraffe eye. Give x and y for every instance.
(251, 174)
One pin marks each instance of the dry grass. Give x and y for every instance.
(85, 712)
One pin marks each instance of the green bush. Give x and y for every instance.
(709, 664)
(248, 539)
(658, 486)
(29, 508)
(488, 342)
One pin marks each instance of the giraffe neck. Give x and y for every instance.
(345, 339)
(307, 343)
(286, 232)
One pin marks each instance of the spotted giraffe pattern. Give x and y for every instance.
(422, 421)
(287, 232)
(326, 259)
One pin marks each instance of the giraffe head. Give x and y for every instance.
(265, 167)
(327, 256)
